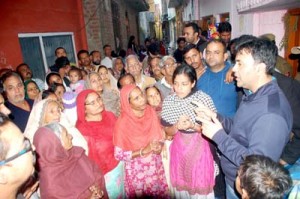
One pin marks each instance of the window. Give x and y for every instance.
(38, 50)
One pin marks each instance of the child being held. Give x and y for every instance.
(76, 82)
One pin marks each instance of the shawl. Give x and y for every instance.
(64, 174)
(99, 134)
(132, 133)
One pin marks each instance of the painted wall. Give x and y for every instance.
(213, 7)
(35, 16)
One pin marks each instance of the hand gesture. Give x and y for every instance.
(184, 123)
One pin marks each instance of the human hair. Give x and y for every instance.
(46, 93)
(189, 47)
(82, 52)
(102, 66)
(106, 45)
(56, 128)
(155, 87)
(147, 40)
(77, 70)
(180, 39)
(62, 62)
(186, 69)
(20, 65)
(220, 42)
(224, 27)
(4, 147)
(129, 57)
(262, 51)
(59, 48)
(261, 177)
(164, 59)
(9, 75)
(94, 51)
(243, 39)
(53, 87)
(122, 77)
(48, 77)
(122, 53)
(194, 26)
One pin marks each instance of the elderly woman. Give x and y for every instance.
(65, 171)
(47, 111)
(138, 141)
(191, 161)
(96, 125)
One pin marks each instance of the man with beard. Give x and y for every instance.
(95, 57)
(16, 102)
(26, 74)
(85, 61)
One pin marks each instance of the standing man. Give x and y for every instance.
(107, 60)
(26, 73)
(85, 61)
(192, 34)
(16, 102)
(193, 57)
(224, 30)
(95, 57)
(178, 54)
(213, 82)
(262, 123)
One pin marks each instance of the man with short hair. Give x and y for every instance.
(134, 67)
(263, 121)
(95, 57)
(20, 107)
(155, 69)
(193, 57)
(178, 54)
(212, 82)
(60, 52)
(16, 160)
(108, 59)
(85, 61)
(224, 30)
(26, 74)
(260, 177)
(192, 34)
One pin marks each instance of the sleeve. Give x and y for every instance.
(226, 123)
(122, 155)
(267, 136)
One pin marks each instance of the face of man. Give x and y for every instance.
(226, 37)
(193, 58)
(25, 72)
(96, 58)
(134, 67)
(189, 35)
(61, 53)
(215, 56)
(181, 44)
(154, 64)
(14, 89)
(245, 70)
(84, 59)
(107, 51)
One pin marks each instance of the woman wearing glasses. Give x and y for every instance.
(65, 171)
(96, 125)
(16, 159)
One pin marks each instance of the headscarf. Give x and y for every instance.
(64, 173)
(132, 133)
(87, 82)
(99, 134)
(25, 86)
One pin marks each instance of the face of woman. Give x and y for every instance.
(32, 90)
(60, 92)
(66, 139)
(103, 72)
(52, 113)
(183, 85)
(137, 100)
(96, 83)
(119, 65)
(93, 104)
(153, 97)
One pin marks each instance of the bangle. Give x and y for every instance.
(141, 152)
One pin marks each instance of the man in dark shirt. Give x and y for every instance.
(192, 35)
(178, 54)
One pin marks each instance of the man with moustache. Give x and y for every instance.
(85, 61)
(26, 74)
(19, 106)
(95, 57)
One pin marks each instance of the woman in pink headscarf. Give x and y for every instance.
(138, 141)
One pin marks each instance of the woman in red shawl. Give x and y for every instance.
(138, 142)
(97, 125)
(65, 171)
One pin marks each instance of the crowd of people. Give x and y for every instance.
(218, 119)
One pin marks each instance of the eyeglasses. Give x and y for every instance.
(92, 103)
(26, 149)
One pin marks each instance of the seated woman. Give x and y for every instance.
(191, 161)
(96, 125)
(110, 94)
(31, 90)
(47, 111)
(65, 171)
(137, 140)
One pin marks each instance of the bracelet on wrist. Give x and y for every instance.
(141, 152)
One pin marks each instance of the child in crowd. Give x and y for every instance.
(261, 177)
(76, 82)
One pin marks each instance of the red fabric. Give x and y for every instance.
(99, 135)
(132, 133)
(64, 174)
